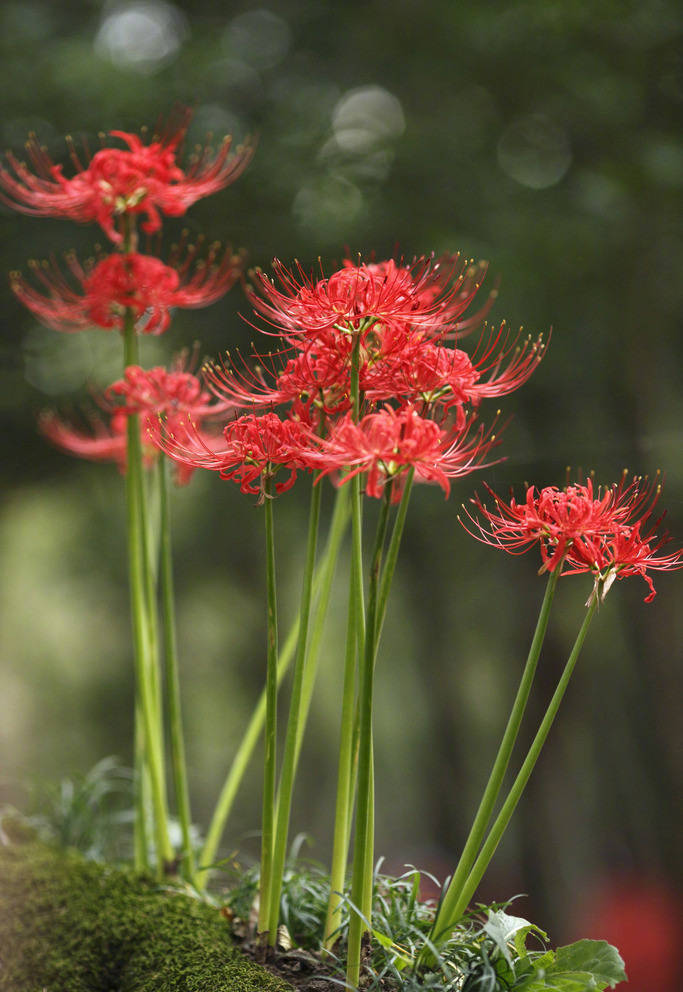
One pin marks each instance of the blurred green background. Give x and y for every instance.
(542, 136)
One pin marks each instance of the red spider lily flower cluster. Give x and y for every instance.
(103, 440)
(254, 448)
(136, 179)
(177, 395)
(140, 283)
(126, 290)
(392, 325)
(607, 532)
(430, 293)
(385, 443)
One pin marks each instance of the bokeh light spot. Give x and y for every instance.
(142, 36)
(534, 151)
(366, 117)
(327, 204)
(259, 37)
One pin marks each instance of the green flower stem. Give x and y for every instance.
(321, 598)
(140, 841)
(357, 509)
(392, 550)
(150, 522)
(253, 732)
(387, 576)
(523, 776)
(268, 814)
(142, 634)
(153, 752)
(345, 775)
(451, 898)
(287, 773)
(172, 677)
(369, 860)
(364, 841)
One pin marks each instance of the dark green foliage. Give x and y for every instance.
(489, 950)
(68, 924)
(90, 812)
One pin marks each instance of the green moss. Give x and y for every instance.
(70, 924)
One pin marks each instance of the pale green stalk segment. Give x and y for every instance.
(141, 617)
(355, 643)
(151, 483)
(269, 771)
(363, 842)
(172, 678)
(154, 754)
(287, 773)
(508, 807)
(495, 782)
(358, 600)
(392, 550)
(357, 509)
(369, 861)
(130, 357)
(253, 732)
(344, 800)
(322, 591)
(150, 550)
(140, 841)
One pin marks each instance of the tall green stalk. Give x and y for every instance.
(144, 662)
(393, 549)
(361, 882)
(514, 795)
(268, 813)
(495, 782)
(355, 640)
(321, 597)
(349, 724)
(172, 679)
(140, 839)
(287, 773)
(343, 802)
(321, 586)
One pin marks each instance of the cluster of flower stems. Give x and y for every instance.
(578, 531)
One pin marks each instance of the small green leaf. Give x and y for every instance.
(502, 929)
(403, 958)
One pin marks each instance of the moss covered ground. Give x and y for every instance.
(70, 925)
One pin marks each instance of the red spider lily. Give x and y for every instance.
(631, 548)
(580, 530)
(386, 443)
(102, 442)
(137, 179)
(397, 361)
(107, 441)
(253, 447)
(428, 293)
(175, 394)
(556, 518)
(313, 377)
(132, 281)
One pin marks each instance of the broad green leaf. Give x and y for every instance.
(551, 981)
(594, 956)
(586, 966)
